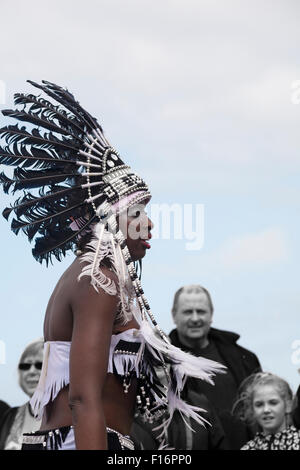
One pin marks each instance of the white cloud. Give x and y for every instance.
(215, 75)
(256, 250)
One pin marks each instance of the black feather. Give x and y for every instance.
(14, 134)
(48, 110)
(70, 104)
(22, 204)
(42, 217)
(57, 243)
(46, 123)
(37, 158)
(68, 98)
(28, 179)
(6, 182)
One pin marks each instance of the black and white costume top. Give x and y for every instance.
(131, 356)
(123, 353)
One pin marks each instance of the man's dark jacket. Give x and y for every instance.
(6, 424)
(241, 362)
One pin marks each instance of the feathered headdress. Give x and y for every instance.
(66, 156)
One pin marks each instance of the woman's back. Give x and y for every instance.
(58, 323)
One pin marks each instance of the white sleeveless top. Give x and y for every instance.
(55, 375)
(133, 353)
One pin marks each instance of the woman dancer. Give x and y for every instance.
(265, 403)
(101, 344)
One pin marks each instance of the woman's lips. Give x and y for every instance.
(146, 244)
(267, 421)
(32, 383)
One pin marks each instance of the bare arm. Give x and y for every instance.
(94, 315)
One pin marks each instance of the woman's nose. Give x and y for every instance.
(150, 224)
(266, 408)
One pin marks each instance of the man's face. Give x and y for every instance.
(193, 316)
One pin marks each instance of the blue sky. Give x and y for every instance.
(200, 98)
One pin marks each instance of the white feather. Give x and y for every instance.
(102, 246)
(186, 364)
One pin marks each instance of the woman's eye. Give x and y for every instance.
(139, 213)
(257, 404)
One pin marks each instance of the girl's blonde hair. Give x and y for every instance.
(243, 407)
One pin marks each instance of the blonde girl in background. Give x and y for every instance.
(265, 403)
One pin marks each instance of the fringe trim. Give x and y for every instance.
(48, 387)
(103, 247)
(132, 361)
(42, 397)
(182, 365)
(99, 248)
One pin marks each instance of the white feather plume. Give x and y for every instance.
(185, 363)
(103, 247)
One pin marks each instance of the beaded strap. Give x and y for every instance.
(125, 441)
(136, 282)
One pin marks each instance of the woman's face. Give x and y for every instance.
(269, 409)
(136, 228)
(29, 372)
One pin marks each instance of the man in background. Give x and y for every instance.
(192, 314)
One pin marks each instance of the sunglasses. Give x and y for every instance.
(27, 365)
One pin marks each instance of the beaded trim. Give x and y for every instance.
(117, 178)
(143, 303)
(125, 441)
(33, 439)
(130, 353)
(56, 437)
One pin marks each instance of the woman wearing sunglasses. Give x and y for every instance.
(18, 420)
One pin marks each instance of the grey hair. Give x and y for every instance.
(191, 289)
(32, 348)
